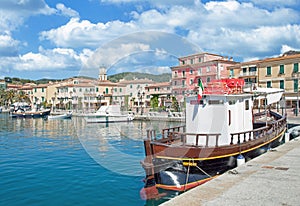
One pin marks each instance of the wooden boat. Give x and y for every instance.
(220, 130)
(107, 114)
(60, 116)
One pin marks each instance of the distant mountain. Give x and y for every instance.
(166, 77)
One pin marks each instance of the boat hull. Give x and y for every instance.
(63, 116)
(36, 114)
(181, 168)
(108, 119)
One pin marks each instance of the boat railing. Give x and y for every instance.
(271, 129)
(177, 134)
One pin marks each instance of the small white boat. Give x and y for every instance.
(61, 116)
(106, 114)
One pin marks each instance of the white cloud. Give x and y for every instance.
(274, 3)
(83, 33)
(245, 29)
(66, 11)
(8, 46)
(14, 12)
(286, 48)
(44, 60)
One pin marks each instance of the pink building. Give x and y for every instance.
(193, 68)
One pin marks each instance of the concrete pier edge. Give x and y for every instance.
(270, 179)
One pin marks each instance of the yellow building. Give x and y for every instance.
(276, 72)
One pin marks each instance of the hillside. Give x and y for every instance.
(166, 77)
(114, 78)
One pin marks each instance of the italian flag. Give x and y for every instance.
(200, 89)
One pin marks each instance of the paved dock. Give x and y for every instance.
(270, 179)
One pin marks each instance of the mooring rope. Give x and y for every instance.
(187, 176)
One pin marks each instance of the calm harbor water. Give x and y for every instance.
(69, 162)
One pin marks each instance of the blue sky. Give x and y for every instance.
(64, 38)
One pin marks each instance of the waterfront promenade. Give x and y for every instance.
(270, 179)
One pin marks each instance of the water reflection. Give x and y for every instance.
(117, 146)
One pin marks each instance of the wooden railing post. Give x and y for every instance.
(206, 140)
(231, 142)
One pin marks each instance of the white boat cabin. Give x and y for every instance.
(218, 114)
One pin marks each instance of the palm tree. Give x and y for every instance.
(10, 96)
(23, 97)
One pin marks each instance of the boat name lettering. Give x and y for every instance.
(189, 164)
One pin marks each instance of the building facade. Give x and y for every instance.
(192, 69)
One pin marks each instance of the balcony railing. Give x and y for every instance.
(254, 73)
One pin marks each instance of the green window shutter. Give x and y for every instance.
(269, 71)
(281, 84)
(295, 85)
(269, 84)
(281, 69)
(296, 67)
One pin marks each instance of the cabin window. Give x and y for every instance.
(247, 105)
(215, 102)
(229, 117)
(231, 102)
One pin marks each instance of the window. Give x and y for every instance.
(269, 84)
(183, 82)
(116, 89)
(199, 71)
(252, 70)
(247, 105)
(231, 73)
(208, 69)
(296, 67)
(175, 83)
(120, 89)
(244, 70)
(192, 61)
(183, 62)
(183, 73)
(200, 59)
(281, 69)
(97, 89)
(208, 79)
(191, 81)
(281, 84)
(131, 86)
(295, 85)
(106, 90)
(269, 70)
(191, 71)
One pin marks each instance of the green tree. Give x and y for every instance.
(175, 105)
(154, 102)
(22, 97)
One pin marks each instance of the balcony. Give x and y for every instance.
(247, 74)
